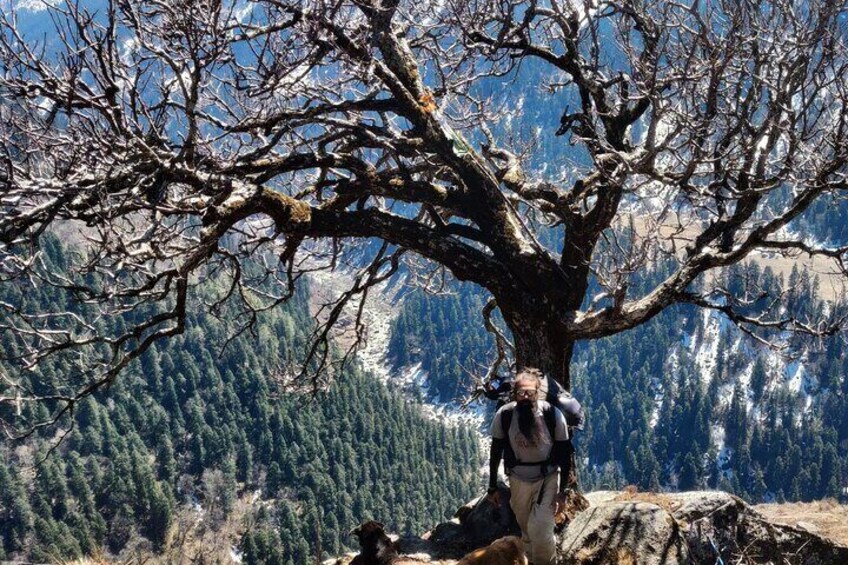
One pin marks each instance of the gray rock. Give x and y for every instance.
(409, 545)
(807, 527)
(643, 529)
(475, 525)
(720, 522)
(483, 522)
(449, 539)
(709, 520)
(714, 523)
(698, 505)
(601, 496)
(627, 533)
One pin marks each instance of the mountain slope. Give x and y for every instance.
(193, 438)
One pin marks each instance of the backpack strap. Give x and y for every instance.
(510, 460)
(549, 416)
(550, 419)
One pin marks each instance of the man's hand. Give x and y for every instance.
(558, 503)
(494, 498)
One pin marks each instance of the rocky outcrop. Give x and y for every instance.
(626, 533)
(631, 528)
(708, 524)
(474, 525)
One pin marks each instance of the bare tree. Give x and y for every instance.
(192, 137)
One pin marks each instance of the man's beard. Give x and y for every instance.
(527, 423)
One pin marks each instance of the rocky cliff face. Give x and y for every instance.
(629, 528)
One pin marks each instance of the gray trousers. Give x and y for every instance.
(535, 520)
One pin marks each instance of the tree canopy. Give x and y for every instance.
(259, 142)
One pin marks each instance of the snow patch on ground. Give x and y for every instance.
(381, 308)
(794, 375)
(723, 463)
(705, 352)
(672, 365)
(791, 374)
(35, 6)
(800, 381)
(717, 438)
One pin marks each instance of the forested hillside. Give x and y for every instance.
(186, 431)
(686, 401)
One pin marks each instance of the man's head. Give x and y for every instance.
(527, 383)
(526, 393)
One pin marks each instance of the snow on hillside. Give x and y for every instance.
(35, 5)
(705, 353)
(381, 308)
(703, 348)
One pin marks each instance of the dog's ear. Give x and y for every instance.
(367, 528)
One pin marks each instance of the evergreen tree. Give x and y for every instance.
(759, 378)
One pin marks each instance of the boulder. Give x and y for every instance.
(688, 507)
(414, 545)
(448, 539)
(709, 520)
(484, 522)
(714, 524)
(623, 533)
(475, 525)
(807, 527)
(600, 496)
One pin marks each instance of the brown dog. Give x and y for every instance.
(504, 551)
(378, 549)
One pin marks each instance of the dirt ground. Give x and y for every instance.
(828, 516)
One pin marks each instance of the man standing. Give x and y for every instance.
(532, 437)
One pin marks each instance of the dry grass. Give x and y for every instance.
(598, 554)
(99, 558)
(624, 557)
(832, 284)
(680, 232)
(828, 516)
(574, 504)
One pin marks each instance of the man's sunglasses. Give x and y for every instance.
(526, 393)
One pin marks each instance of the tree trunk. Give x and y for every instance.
(543, 345)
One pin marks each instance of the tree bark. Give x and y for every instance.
(542, 344)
